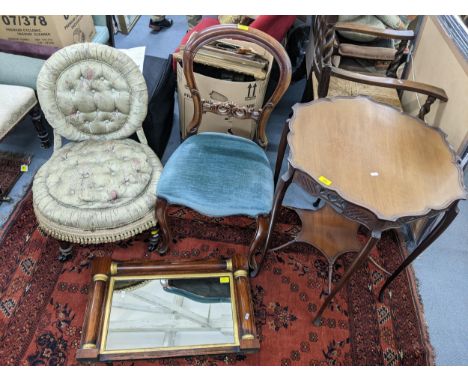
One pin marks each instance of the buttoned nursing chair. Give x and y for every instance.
(219, 174)
(327, 80)
(99, 187)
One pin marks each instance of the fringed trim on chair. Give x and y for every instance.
(74, 235)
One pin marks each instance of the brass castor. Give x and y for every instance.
(154, 240)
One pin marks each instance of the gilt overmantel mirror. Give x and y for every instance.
(156, 309)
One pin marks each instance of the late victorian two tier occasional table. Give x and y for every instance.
(373, 165)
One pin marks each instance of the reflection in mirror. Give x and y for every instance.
(167, 313)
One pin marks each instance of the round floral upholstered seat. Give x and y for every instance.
(93, 185)
(99, 187)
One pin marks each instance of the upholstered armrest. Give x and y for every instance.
(394, 83)
(383, 33)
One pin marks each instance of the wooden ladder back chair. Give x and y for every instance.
(326, 45)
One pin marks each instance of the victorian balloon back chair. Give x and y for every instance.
(218, 174)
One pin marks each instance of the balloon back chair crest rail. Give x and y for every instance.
(252, 35)
(220, 194)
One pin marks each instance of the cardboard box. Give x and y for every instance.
(57, 31)
(249, 94)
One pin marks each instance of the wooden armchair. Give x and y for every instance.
(330, 80)
(218, 174)
(389, 45)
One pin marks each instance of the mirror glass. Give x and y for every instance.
(179, 311)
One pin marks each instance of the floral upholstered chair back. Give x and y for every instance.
(92, 91)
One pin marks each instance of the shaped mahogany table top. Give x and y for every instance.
(375, 156)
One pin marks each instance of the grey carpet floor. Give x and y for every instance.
(442, 270)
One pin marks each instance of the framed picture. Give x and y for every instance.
(126, 23)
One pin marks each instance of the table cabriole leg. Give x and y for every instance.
(281, 150)
(449, 216)
(308, 94)
(281, 188)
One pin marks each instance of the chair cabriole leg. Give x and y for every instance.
(258, 241)
(164, 231)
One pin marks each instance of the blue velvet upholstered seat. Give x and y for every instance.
(218, 175)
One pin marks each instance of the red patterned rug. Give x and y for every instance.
(10, 170)
(42, 301)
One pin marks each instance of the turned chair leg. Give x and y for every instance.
(65, 251)
(154, 239)
(258, 241)
(164, 231)
(36, 115)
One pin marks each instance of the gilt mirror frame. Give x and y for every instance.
(105, 273)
